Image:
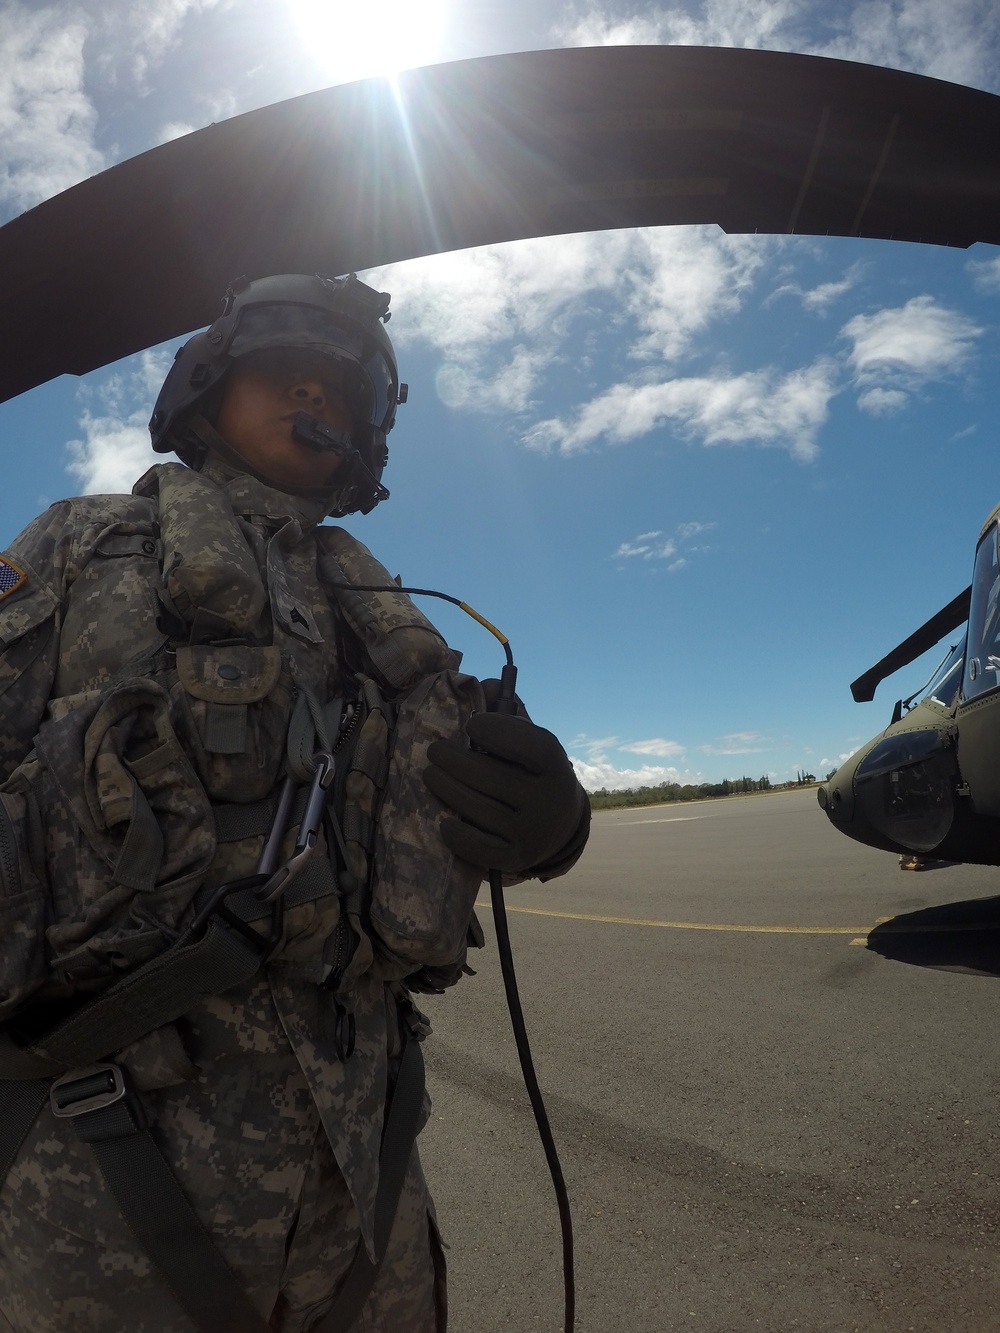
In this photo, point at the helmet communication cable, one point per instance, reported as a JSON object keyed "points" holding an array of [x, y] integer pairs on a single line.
{"points": [[507, 703]]}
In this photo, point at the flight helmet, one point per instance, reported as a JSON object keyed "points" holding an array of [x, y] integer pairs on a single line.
{"points": [[339, 318]]}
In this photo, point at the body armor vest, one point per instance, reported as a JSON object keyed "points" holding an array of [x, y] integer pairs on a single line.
{"points": [[209, 651]]}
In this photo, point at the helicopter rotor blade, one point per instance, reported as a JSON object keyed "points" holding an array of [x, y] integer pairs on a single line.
{"points": [[479, 151], [930, 633]]}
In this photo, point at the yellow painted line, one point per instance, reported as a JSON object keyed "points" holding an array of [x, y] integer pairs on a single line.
{"points": [[690, 925], [863, 940]]}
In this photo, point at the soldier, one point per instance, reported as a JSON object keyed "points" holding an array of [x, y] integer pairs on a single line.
{"points": [[241, 823]]}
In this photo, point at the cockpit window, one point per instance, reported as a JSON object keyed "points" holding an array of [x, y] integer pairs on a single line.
{"points": [[944, 684], [982, 665]]}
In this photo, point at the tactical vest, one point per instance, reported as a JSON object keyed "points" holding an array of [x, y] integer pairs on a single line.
{"points": [[133, 836], [141, 797]]}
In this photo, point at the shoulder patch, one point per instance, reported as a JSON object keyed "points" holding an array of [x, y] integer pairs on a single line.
{"points": [[11, 578]]}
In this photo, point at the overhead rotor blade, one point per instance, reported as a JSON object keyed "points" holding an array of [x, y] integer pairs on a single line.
{"points": [[930, 633], [479, 151]]}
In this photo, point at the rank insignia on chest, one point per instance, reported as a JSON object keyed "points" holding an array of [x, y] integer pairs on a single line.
{"points": [[11, 578]]}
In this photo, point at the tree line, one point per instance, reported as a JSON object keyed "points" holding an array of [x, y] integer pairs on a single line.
{"points": [[676, 791]]}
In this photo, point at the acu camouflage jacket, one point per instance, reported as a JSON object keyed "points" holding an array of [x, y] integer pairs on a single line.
{"points": [[113, 603]]}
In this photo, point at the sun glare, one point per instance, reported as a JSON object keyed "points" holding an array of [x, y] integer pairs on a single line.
{"points": [[351, 40]]}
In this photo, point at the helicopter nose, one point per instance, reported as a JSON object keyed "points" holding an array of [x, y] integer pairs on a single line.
{"points": [[896, 792], [837, 801], [836, 795]]}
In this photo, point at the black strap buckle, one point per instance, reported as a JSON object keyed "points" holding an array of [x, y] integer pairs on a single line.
{"points": [[345, 1032], [89, 1089], [271, 880], [216, 906]]}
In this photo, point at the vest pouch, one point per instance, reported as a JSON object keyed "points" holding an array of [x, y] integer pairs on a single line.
{"points": [[422, 895], [23, 902], [239, 702], [126, 828], [399, 639]]}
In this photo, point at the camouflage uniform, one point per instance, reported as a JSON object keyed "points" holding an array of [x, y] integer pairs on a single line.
{"points": [[274, 1138]]}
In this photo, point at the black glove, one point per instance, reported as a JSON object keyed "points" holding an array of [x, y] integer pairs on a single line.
{"points": [[516, 795]]}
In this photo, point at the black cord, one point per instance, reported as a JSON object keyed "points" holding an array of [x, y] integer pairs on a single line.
{"points": [[507, 703], [444, 597], [535, 1094]]}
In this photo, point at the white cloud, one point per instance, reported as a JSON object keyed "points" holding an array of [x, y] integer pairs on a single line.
{"points": [[649, 546], [657, 748], [506, 388], [921, 338], [175, 129], [219, 104], [738, 742], [603, 774], [500, 315], [596, 770], [595, 747], [897, 350], [468, 305], [131, 37], [115, 449], [964, 433], [957, 41], [767, 407], [658, 546], [826, 764], [882, 402], [682, 279], [113, 454], [468, 300], [47, 121], [818, 299], [49, 56], [985, 273], [725, 23], [688, 530]]}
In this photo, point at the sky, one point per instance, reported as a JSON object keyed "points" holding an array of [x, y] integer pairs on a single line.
{"points": [[700, 481]]}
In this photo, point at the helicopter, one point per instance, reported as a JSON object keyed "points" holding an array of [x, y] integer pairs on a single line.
{"points": [[929, 784]]}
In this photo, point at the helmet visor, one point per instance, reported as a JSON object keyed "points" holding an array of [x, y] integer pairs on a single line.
{"points": [[369, 379], [288, 366]]}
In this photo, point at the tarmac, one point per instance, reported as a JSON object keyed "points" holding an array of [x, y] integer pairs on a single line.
{"points": [[762, 1124]]}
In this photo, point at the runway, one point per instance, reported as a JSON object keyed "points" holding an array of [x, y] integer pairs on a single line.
{"points": [[762, 1124]]}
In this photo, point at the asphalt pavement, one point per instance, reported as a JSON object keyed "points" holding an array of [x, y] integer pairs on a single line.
{"points": [[763, 1125]]}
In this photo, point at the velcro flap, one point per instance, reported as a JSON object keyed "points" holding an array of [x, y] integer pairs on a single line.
{"points": [[117, 543], [229, 673], [225, 728]]}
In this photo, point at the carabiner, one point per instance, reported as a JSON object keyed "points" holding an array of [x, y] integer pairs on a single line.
{"points": [[268, 862], [309, 827]]}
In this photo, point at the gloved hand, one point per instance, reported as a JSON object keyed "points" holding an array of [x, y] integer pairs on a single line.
{"points": [[516, 796]]}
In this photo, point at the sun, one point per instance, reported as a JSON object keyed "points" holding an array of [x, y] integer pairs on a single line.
{"points": [[351, 40]]}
